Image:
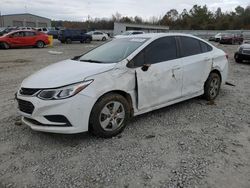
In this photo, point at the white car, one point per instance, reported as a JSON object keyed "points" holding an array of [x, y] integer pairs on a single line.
{"points": [[100, 90], [128, 33], [218, 37], [97, 35], [42, 29]]}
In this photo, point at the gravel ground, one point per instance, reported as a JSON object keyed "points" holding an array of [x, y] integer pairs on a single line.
{"points": [[190, 144]]}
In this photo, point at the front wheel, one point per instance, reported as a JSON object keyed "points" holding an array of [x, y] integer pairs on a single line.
{"points": [[212, 86], [237, 59], [109, 116], [104, 39], [40, 44]]}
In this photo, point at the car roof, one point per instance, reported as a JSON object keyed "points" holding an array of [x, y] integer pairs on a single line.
{"points": [[157, 35], [21, 30]]}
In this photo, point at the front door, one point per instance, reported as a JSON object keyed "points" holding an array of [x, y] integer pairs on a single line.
{"points": [[160, 79], [17, 39]]}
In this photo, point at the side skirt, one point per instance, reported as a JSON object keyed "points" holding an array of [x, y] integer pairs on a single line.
{"points": [[142, 111]]}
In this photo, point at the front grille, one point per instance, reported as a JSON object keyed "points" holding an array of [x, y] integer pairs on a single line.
{"points": [[25, 106], [28, 91], [246, 52]]}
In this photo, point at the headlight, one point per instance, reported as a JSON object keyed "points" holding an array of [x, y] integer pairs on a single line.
{"points": [[63, 92], [240, 49]]}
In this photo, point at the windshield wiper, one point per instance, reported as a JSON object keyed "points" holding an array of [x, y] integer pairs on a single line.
{"points": [[91, 61]]}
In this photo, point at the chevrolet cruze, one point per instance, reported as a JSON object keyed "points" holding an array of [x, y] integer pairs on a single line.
{"points": [[100, 90]]}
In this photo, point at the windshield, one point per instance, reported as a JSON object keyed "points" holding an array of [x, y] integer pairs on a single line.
{"points": [[114, 51]]}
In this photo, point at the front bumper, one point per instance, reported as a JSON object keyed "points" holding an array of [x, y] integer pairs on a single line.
{"points": [[241, 56], [75, 110]]}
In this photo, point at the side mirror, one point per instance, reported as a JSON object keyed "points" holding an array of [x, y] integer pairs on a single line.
{"points": [[76, 57], [145, 67], [10, 36]]}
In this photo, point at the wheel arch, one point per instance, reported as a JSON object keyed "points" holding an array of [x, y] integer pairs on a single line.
{"points": [[126, 95], [217, 72]]}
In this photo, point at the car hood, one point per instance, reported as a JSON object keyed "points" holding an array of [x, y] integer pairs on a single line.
{"points": [[245, 46], [64, 73]]}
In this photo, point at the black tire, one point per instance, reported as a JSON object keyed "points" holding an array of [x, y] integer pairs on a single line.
{"points": [[96, 116], [237, 59], [6, 46], [40, 44], [87, 40], [104, 39], [68, 41], [210, 91]]}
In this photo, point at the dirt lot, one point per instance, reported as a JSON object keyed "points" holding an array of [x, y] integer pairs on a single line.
{"points": [[190, 144]]}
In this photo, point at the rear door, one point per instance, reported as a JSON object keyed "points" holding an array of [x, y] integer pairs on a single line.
{"points": [[162, 81], [196, 63]]}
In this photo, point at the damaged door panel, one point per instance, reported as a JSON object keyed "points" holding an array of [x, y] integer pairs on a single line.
{"points": [[159, 75], [196, 63]]}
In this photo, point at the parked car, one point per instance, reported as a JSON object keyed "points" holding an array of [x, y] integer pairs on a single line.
{"points": [[128, 33], [53, 32], [69, 35], [24, 38], [25, 28], [231, 39], [7, 30], [100, 90], [243, 53], [216, 38], [42, 29], [98, 35]]}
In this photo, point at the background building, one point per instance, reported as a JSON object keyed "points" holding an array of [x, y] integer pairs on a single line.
{"points": [[122, 27], [24, 20]]}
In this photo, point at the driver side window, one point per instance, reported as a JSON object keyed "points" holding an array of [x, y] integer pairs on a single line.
{"points": [[18, 34]]}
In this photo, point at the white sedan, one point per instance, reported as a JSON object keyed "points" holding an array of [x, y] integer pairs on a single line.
{"points": [[100, 90], [97, 35]]}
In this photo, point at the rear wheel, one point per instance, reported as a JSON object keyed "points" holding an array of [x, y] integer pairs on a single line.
{"points": [[109, 115], [87, 40], [212, 86], [68, 41], [40, 44]]}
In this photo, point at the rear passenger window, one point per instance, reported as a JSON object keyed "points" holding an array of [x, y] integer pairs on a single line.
{"points": [[205, 47], [190, 46], [29, 34]]}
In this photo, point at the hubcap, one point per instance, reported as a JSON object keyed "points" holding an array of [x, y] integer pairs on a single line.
{"points": [[214, 87], [40, 44], [112, 116]]}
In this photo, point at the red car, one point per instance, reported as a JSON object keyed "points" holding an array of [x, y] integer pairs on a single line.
{"points": [[24, 38], [231, 39]]}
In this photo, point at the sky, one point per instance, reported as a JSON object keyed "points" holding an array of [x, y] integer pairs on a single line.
{"points": [[79, 10]]}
